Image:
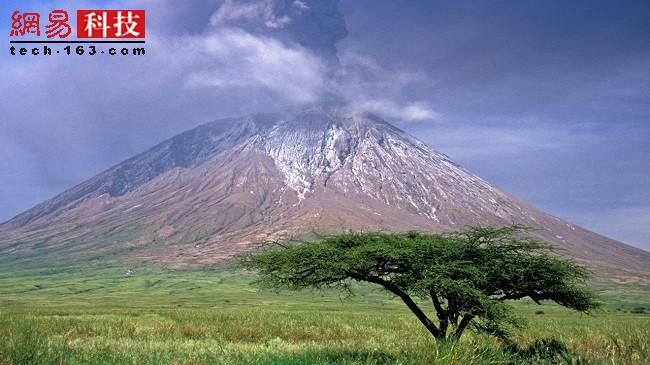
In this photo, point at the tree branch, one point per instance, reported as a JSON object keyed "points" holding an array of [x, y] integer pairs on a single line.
{"points": [[430, 326], [462, 325], [440, 312], [517, 296]]}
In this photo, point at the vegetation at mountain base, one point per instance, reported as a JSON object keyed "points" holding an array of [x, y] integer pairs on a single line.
{"points": [[97, 314], [467, 276]]}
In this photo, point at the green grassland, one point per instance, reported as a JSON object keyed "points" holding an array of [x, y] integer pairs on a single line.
{"points": [[97, 315]]}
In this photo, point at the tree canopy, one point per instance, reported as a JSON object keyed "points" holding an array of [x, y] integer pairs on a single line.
{"points": [[466, 276]]}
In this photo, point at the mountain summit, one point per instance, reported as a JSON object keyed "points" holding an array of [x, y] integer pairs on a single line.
{"points": [[213, 191]]}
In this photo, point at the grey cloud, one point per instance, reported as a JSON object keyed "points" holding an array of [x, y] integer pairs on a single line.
{"points": [[548, 102], [255, 11], [315, 25], [233, 58]]}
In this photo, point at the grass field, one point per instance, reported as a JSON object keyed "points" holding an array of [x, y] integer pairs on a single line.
{"points": [[98, 315]]}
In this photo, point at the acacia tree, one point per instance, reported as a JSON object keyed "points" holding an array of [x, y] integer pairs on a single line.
{"points": [[467, 276]]}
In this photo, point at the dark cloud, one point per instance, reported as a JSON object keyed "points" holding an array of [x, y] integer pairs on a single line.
{"points": [[548, 100]]}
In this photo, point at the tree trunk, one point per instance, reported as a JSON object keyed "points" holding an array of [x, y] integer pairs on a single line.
{"points": [[428, 324]]}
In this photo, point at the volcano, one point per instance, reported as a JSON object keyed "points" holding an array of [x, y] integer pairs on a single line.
{"points": [[202, 196]]}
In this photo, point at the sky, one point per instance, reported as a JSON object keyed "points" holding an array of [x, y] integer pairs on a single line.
{"points": [[548, 100]]}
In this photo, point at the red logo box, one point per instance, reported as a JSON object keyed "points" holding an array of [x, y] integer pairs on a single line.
{"points": [[110, 24]]}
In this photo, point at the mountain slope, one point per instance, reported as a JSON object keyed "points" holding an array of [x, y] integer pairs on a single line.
{"points": [[208, 193]]}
